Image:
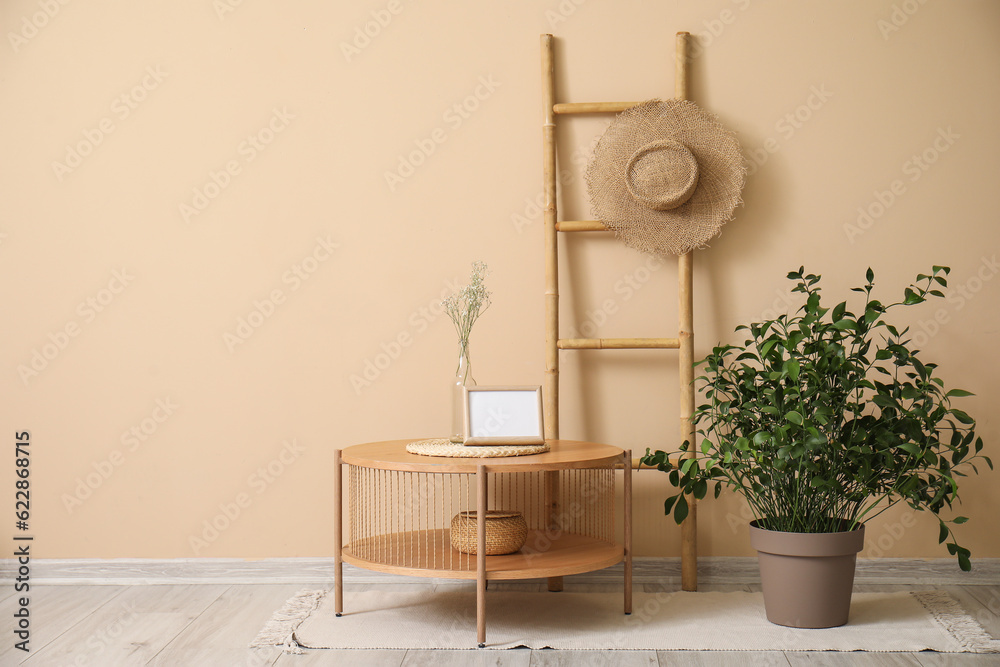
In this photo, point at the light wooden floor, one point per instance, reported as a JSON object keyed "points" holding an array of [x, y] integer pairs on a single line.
{"points": [[205, 624]]}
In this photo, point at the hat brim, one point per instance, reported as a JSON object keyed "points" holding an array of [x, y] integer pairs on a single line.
{"points": [[691, 225]]}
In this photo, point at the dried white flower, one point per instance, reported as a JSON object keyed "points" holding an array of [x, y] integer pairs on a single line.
{"points": [[467, 304]]}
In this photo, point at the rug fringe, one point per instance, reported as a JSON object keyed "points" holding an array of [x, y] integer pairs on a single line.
{"points": [[960, 624], [280, 629]]}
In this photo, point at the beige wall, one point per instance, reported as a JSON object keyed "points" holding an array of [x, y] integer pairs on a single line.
{"points": [[135, 299]]}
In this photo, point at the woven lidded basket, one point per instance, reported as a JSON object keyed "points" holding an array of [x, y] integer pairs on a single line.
{"points": [[506, 532]]}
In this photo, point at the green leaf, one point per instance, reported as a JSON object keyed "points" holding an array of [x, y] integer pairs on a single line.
{"points": [[653, 458], [883, 401], [792, 368], [942, 533], [794, 417], [766, 348], [910, 448], [964, 562], [910, 297], [961, 519], [669, 503], [681, 509], [812, 303], [962, 417], [845, 323], [869, 274], [959, 392], [838, 311]]}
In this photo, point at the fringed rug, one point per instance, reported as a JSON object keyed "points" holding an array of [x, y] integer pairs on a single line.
{"points": [[879, 622]]}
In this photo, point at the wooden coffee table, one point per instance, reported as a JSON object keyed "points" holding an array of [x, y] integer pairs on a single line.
{"points": [[400, 507]]}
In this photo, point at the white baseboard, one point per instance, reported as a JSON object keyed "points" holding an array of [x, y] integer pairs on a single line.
{"points": [[711, 570]]}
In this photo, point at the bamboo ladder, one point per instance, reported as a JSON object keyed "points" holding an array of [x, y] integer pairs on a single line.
{"points": [[684, 342]]}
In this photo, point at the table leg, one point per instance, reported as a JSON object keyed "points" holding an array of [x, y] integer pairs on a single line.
{"points": [[338, 510], [481, 556], [627, 497], [552, 522]]}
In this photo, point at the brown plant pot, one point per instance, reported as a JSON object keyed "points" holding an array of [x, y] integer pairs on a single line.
{"points": [[807, 578]]}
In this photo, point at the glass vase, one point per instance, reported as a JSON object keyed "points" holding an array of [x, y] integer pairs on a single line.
{"points": [[463, 379]]}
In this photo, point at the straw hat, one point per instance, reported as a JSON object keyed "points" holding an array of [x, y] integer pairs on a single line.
{"points": [[665, 176]]}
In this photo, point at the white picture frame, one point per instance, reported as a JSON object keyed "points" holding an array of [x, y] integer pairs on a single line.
{"points": [[503, 415]]}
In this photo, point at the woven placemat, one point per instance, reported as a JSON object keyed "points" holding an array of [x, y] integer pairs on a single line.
{"points": [[445, 447]]}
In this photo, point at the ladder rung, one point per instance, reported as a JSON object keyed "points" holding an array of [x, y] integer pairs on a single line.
{"points": [[592, 107], [618, 343], [581, 226], [637, 463]]}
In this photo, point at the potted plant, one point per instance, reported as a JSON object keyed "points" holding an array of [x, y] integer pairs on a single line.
{"points": [[822, 420]]}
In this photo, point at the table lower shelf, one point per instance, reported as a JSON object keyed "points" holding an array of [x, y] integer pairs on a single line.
{"points": [[428, 553]]}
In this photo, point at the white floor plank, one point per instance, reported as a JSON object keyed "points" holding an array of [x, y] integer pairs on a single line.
{"points": [[978, 606], [342, 658], [508, 658], [550, 658], [54, 610], [930, 659], [120, 640], [989, 615], [222, 633], [211, 656], [722, 659], [850, 659], [129, 629]]}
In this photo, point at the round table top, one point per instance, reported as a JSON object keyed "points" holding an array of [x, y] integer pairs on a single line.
{"points": [[563, 455]]}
